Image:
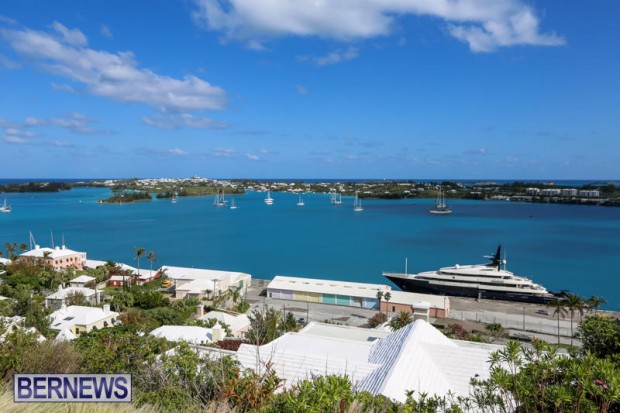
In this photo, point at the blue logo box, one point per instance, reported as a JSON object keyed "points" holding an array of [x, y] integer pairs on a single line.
{"points": [[68, 388]]}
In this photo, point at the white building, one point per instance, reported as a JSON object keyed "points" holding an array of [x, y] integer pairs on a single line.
{"points": [[569, 192], [5, 261], [59, 298], [74, 320], [589, 193], [81, 281], [58, 258], [532, 191], [551, 192], [191, 334], [238, 323], [417, 357], [11, 324], [196, 282]]}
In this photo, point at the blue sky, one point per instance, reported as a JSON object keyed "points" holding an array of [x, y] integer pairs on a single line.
{"points": [[296, 89]]}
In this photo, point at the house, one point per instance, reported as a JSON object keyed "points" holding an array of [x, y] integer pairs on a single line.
{"points": [[11, 324], [417, 357], [196, 282], [238, 323], [81, 281], [60, 297], [438, 305], [118, 280], [190, 334], [5, 261], [351, 294], [58, 258], [74, 320]]}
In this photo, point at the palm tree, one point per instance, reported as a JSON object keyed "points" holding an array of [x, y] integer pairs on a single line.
{"points": [[596, 302], [151, 257], [139, 252], [379, 297], [9, 250], [559, 309], [387, 296], [400, 320], [46, 255], [574, 304]]}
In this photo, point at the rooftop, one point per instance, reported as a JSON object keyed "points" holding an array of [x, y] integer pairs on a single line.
{"points": [[234, 320], [183, 273], [401, 297], [191, 334], [83, 279], [67, 317], [313, 285], [63, 293], [58, 252]]}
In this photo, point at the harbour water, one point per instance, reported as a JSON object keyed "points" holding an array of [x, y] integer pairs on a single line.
{"points": [[560, 246]]}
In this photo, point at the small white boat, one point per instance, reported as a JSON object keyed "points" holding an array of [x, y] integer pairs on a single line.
{"points": [[441, 207], [336, 198], [301, 201], [174, 198], [232, 204], [269, 199], [5, 207], [357, 204], [219, 200]]}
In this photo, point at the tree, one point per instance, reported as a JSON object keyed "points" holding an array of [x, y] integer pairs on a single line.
{"points": [[75, 298], [595, 302], [379, 297], [495, 330], [559, 309], [151, 257], [400, 320], [46, 255], [387, 296], [600, 336], [574, 304], [138, 252]]}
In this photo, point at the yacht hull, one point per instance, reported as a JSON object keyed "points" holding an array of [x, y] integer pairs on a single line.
{"points": [[423, 286]]}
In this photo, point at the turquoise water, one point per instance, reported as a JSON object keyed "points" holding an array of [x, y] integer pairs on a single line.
{"points": [[561, 246]]}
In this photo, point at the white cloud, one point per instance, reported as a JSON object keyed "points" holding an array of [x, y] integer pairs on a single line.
{"points": [[337, 57], [252, 157], [177, 151], [302, 90], [15, 140], [112, 75], [224, 152], [61, 144], [169, 121], [8, 63], [73, 37], [63, 87], [484, 25], [105, 30], [74, 122]]}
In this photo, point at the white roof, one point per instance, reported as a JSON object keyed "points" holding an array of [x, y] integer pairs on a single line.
{"points": [[54, 252], [235, 321], [5, 261], [120, 278], [313, 285], [83, 279], [343, 332], [191, 334], [417, 357], [76, 314], [401, 297], [65, 335], [182, 273], [95, 263], [65, 292]]}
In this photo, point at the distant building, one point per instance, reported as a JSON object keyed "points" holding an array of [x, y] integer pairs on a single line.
{"points": [[59, 298], [417, 357], [569, 192], [238, 323], [438, 305], [74, 320], [118, 280], [191, 334], [312, 290], [551, 192], [589, 193], [532, 191], [196, 282], [5, 261], [82, 281], [59, 258], [11, 324]]}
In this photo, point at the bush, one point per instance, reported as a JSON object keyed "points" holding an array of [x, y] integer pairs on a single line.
{"points": [[376, 320]]}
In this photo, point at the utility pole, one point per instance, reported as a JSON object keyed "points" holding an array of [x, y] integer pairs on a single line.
{"points": [[523, 318], [307, 312]]}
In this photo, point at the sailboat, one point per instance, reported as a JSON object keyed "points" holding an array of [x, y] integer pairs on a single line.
{"points": [[269, 199], [357, 204], [174, 198], [219, 200], [301, 201], [232, 204], [336, 198], [5, 207], [441, 208]]}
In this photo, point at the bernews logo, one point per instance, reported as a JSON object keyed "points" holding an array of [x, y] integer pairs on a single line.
{"points": [[64, 388]]}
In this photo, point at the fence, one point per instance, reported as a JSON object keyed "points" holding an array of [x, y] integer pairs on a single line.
{"points": [[516, 322]]}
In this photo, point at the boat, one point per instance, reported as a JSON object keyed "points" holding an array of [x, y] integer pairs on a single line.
{"points": [[336, 199], [489, 281], [441, 208], [219, 200], [5, 207], [269, 199], [357, 204], [301, 201], [232, 204], [174, 198]]}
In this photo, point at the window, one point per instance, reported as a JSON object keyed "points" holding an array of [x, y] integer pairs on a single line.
{"points": [[77, 331], [393, 309], [68, 318]]}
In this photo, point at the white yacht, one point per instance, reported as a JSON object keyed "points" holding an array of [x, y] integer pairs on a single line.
{"points": [[174, 198], [232, 204], [357, 204], [269, 199], [301, 201], [219, 200], [489, 281], [5, 207], [441, 207], [336, 198]]}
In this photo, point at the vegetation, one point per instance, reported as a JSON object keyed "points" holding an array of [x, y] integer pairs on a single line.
{"points": [[126, 197], [36, 187], [400, 320]]}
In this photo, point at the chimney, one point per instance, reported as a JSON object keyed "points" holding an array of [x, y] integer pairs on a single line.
{"points": [[59, 287], [200, 310], [217, 332], [106, 308], [63, 307]]}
